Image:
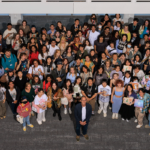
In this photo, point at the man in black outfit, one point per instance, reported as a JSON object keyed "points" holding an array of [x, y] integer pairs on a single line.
{"points": [[134, 27], [83, 113], [75, 27]]}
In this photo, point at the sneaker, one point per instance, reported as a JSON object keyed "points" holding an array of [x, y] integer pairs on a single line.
{"points": [[93, 113], [116, 116], [31, 126], [127, 120], [77, 138], [122, 119], [86, 136], [65, 111], [105, 114], [147, 126], [138, 126], [39, 122], [24, 128], [44, 120], [99, 111], [70, 112], [113, 116], [135, 120]]}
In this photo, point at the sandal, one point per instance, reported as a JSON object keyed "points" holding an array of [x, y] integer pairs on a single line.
{"points": [[4, 116]]}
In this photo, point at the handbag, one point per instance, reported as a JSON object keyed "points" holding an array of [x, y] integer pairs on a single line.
{"points": [[64, 101], [19, 118]]}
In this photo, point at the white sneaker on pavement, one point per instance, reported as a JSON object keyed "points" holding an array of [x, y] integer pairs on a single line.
{"points": [[44, 120], [99, 111], [138, 126], [135, 120], [105, 114], [113, 116], [65, 111], [39, 122], [70, 112]]}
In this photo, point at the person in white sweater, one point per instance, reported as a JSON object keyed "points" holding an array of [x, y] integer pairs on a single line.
{"points": [[138, 72]]}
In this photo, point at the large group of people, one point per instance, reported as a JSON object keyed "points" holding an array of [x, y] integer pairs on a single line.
{"points": [[104, 63]]}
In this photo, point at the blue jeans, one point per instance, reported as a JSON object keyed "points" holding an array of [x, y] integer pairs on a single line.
{"points": [[84, 129], [26, 120]]}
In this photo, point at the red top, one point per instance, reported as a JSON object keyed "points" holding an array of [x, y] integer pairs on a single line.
{"points": [[47, 85], [33, 56], [24, 110]]}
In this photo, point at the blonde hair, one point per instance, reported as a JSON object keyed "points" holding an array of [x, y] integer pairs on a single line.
{"points": [[75, 71], [62, 38], [27, 84]]}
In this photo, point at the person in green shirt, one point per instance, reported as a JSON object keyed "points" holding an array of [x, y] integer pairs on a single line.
{"points": [[29, 93], [81, 53]]}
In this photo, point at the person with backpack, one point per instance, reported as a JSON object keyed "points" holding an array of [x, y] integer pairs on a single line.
{"points": [[9, 60]]}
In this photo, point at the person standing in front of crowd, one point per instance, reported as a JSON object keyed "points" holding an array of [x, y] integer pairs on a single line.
{"points": [[140, 112], [116, 98], [8, 34], [54, 95], [83, 113], [40, 101], [90, 93], [104, 92], [24, 110], [29, 93], [67, 93], [12, 96], [75, 27], [127, 110]]}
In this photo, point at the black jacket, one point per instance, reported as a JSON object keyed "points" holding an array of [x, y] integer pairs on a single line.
{"points": [[4, 46], [78, 112], [9, 98], [55, 74], [131, 28]]}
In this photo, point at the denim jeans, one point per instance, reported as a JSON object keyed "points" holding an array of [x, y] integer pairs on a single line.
{"points": [[84, 129], [26, 120]]}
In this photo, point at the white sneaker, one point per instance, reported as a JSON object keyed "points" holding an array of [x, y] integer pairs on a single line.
{"points": [[135, 120], [116, 116], [113, 116], [105, 114], [39, 122], [99, 111], [65, 111], [127, 120], [122, 119], [44, 120], [138, 126], [70, 112]]}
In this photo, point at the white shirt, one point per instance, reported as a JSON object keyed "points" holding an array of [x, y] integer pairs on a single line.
{"points": [[52, 49], [111, 50], [44, 57], [88, 48], [83, 113], [33, 70], [13, 94], [8, 39], [93, 36], [40, 101], [2, 91]]}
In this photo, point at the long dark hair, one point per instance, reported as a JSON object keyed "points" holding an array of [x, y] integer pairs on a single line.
{"points": [[126, 93], [31, 49], [100, 67], [47, 76], [54, 91], [41, 51], [33, 80], [51, 61], [70, 87]]}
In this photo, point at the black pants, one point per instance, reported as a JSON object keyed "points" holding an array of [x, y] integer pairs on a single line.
{"points": [[56, 110]]}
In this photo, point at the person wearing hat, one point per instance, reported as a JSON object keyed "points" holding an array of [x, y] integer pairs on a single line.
{"points": [[24, 110], [59, 74], [8, 34]]}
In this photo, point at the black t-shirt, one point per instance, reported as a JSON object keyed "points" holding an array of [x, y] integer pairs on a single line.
{"points": [[100, 47], [89, 90]]}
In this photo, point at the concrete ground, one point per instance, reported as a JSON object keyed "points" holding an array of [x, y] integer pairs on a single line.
{"points": [[104, 134]]}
